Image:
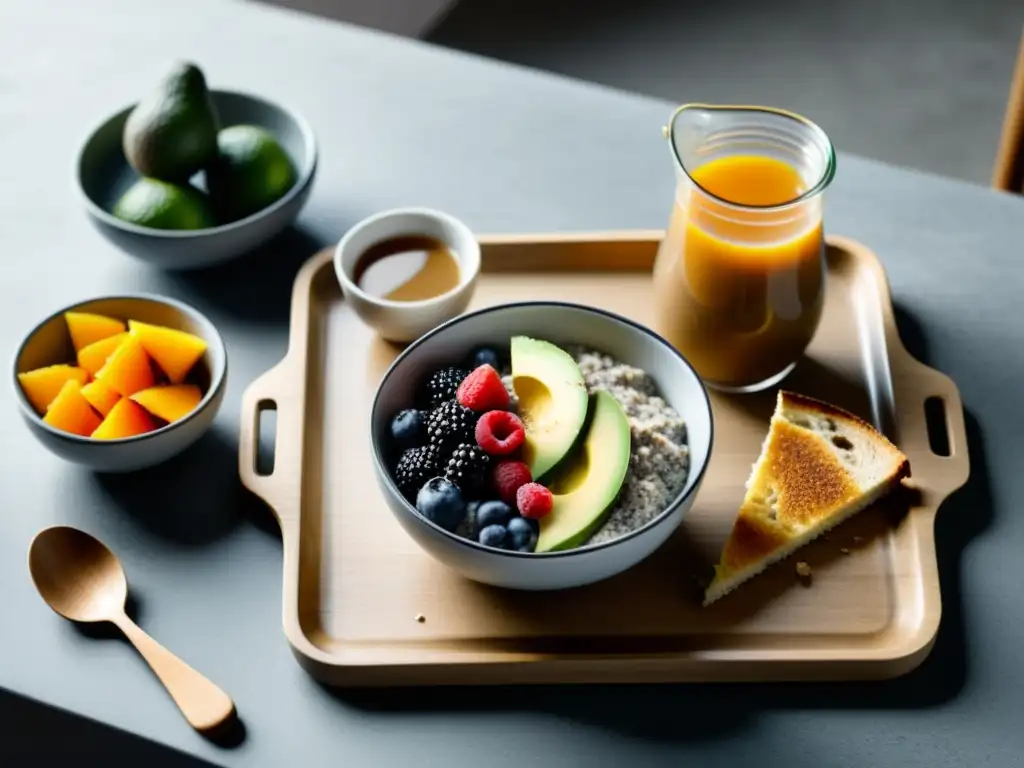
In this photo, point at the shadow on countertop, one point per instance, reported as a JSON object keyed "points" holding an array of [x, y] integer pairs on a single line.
{"points": [[256, 287], [208, 501], [35, 734], [714, 711]]}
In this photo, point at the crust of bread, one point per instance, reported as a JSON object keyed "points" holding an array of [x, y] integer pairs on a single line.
{"points": [[811, 405], [800, 488]]}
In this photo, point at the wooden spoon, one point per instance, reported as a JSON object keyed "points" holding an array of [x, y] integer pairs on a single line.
{"points": [[83, 581]]}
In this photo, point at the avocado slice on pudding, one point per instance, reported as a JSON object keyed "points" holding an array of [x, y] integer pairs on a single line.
{"points": [[552, 402], [585, 492]]}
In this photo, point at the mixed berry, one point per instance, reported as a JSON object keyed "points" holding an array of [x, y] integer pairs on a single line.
{"points": [[457, 459]]}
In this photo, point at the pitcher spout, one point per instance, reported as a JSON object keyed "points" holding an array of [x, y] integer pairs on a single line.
{"points": [[700, 133]]}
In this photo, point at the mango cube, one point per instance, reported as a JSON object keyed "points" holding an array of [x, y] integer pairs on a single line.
{"points": [[42, 385], [71, 412], [175, 352], [126, 419], [119, 388], [171, 402], [86, 328], [95, 356], [100, 396], [128, 370]]}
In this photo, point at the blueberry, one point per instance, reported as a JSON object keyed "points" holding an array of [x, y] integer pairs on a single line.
{"points": [[440, 501], [486, 356], [493, 536], [408, 428], [492, 513], [523, 534]]}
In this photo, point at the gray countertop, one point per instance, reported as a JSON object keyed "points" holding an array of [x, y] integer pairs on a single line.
{"points": [[507, 150]]}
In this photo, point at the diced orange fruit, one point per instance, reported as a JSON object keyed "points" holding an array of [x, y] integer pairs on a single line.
{"points": [[128, 370], [126, 419], [71, 412], [100, 396], [170, 403], [174, 351], [95, 356], [42, 385], [86, 328]]}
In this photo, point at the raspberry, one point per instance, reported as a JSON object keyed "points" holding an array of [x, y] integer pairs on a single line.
{"points": [[508, 477], [500, 432], [483, 390], [534, 501]]}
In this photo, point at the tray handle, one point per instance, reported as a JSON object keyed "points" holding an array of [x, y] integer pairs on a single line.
{"points": [[919, 386], [279, 488]]}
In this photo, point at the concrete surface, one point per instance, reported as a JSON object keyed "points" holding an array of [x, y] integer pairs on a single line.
{"points": [[920, 83]]}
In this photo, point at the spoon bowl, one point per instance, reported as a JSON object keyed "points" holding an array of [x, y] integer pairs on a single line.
{"points": [[77, 575], [82, 580]]}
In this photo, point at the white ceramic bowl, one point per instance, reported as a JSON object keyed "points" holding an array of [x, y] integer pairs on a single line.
{"points": [[403, 321], [559, 323], [49, 343]]}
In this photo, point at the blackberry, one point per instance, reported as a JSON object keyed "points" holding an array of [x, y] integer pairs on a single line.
{"points": [[448, 425], [442, 384], [467, 468], [414, 468]]}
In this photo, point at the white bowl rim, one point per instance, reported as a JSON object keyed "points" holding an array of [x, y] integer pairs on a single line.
{"points": [[466, 281], [217, 378], [661, 517], [301, 183]]}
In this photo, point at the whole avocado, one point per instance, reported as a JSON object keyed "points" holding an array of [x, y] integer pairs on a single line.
{"points": [[172, 133], [251, 171]]}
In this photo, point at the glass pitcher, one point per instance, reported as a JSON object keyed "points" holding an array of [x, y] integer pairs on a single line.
{"points": [[739, 279]]}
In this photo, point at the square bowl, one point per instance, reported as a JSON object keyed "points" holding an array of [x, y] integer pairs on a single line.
{"points": [[49, 343], [562, 324]]}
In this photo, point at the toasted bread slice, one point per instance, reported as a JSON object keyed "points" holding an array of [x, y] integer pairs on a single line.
{"points": [[819, 465]]}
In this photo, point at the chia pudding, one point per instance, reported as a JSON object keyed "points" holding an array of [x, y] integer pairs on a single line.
{"points": [[595, 431], [659, 461]]}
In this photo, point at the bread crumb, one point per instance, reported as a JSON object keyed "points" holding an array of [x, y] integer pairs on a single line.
{"points": [[420, 618], [858, 539], [803, 570], [844, 550]]}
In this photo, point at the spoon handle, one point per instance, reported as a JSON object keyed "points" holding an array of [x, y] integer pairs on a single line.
{"points": [[203, 703]]}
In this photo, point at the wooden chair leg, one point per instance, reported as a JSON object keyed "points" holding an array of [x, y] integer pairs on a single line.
{"points": [[1008, 174]]}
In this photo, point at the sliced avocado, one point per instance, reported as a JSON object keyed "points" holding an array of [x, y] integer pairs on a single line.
{"points": [[172, 133], [552, 402], [585, 491]]}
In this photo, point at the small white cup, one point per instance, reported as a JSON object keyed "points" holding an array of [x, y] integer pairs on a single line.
{"points": [[403, 321]]}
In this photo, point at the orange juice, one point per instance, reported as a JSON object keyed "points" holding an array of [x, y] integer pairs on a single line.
{"points": [[739, 276]]}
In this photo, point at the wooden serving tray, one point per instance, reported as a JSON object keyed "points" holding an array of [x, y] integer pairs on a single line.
{"points": [[355, 583]]}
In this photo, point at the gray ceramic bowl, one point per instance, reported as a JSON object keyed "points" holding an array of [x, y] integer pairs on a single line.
{"points": [[49, 343], [103, 175], [560, 323]]}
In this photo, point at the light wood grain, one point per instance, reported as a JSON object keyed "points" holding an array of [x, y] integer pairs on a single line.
{"points": [[203, 704], [82, 580], [1008, 174], [354, 582]]}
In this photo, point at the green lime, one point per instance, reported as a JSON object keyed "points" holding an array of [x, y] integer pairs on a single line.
{"points": [[250, 172], [158, 204]]}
